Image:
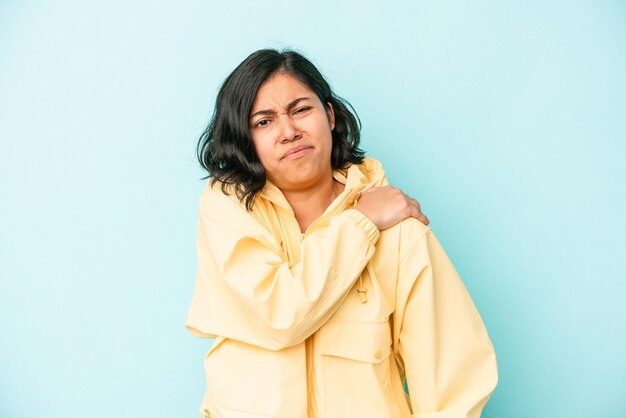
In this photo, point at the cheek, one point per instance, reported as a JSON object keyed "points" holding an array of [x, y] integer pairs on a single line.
{"points": [[322, 130], [328, 139], [264, 152]]}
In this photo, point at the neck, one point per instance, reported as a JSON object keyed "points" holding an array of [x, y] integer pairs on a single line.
{"points": [[310, 203]]}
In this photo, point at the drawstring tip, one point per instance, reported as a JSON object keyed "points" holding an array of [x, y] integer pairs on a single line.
{"points": [[362, 294]]}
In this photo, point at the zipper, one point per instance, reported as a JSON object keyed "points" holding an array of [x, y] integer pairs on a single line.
{"points": [[331, 211]]}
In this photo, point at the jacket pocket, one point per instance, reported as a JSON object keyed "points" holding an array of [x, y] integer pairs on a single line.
{"points": [[367, 342], [357, 375], [248, 381]]}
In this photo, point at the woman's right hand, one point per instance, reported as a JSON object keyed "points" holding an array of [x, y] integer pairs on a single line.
{"points": [[386, 206]]}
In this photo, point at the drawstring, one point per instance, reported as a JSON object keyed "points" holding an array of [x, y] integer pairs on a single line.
{"points": [[361, 290]]}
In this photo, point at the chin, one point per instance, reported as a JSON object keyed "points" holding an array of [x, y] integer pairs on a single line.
{"points": [[303, 175], [302, 181], [299, 181]]}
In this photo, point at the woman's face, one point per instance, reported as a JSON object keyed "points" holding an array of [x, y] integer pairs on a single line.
{"points": [[291, 132]]}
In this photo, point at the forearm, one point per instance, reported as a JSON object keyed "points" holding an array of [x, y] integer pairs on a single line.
{"points": [[281, 302]]}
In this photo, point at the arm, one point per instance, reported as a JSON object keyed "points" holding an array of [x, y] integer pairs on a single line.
{"points": [[448, 358], [247, 290]]}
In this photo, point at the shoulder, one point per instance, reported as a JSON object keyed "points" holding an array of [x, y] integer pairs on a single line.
{"points": [[220, 204], [412, 234], [221, 212], [372, 169], [371, 163], [412, 230], [217, 195], [367, 174]]}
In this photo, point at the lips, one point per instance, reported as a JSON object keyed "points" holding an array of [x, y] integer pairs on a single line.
{"points": [[295, 150]]}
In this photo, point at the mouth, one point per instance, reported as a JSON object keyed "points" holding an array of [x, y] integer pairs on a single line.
{"points": [[297, 152]]}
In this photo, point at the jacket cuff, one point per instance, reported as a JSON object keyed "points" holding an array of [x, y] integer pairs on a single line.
{"points": [[364, 222]]}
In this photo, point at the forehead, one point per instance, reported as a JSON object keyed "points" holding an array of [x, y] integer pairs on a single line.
{"points": [[280, 89]]}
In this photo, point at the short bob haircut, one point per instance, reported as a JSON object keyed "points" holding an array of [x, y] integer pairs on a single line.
{"points": [[225, 148]]}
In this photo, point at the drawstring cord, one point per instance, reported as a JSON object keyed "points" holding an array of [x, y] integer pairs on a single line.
{"points": [[362, 291]]}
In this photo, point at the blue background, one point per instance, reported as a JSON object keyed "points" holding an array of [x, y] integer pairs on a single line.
{"points": [[506, 120]]}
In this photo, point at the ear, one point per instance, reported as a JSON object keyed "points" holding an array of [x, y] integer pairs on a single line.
{"points": [[331, 115]]}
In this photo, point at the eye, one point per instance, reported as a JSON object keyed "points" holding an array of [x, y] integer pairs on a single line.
{"points": [[262, 123], [302, 109]]}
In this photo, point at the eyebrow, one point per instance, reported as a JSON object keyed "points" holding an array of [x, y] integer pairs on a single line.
{"points": [[290, 106]]}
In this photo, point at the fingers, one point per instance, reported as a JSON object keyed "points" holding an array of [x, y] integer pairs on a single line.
{"points": [[388, 205], [416, 211], [413, 206], [423, 219]]}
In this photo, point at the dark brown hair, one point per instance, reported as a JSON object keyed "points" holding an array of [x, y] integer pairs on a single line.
{"points": [[225, 148]]}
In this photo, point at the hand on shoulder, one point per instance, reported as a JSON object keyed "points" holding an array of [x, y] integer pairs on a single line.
{"points": [[386, 206]]}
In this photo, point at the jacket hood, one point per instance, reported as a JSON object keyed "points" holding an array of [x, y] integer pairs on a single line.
{"points": [[356, 178]]}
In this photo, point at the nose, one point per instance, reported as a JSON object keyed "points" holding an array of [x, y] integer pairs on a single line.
{"points": [[289, 129]]}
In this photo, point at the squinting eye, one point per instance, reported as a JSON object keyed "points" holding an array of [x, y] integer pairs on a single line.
{"points": [[302, 110], [262, 123]]}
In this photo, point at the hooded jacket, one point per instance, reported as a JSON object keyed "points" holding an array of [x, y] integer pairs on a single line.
{"points": [[333, 322]]}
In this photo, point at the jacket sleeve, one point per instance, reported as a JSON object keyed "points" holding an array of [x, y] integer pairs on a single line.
{"points": [[448, 358], [247, 290]]}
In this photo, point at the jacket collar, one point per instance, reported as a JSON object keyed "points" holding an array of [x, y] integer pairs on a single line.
{"points": [[356, 178]]}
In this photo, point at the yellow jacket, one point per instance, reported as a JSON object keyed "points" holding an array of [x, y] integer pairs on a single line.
{"points": [[332, 322]]}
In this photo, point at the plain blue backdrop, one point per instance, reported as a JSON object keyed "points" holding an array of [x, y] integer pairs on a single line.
{"points": [[506, 120]]}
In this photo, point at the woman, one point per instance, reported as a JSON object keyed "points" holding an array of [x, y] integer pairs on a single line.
{"points": [[323, 290]]}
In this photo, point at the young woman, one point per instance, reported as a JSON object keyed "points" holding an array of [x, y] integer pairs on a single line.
{"points": [[323, 290]]}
